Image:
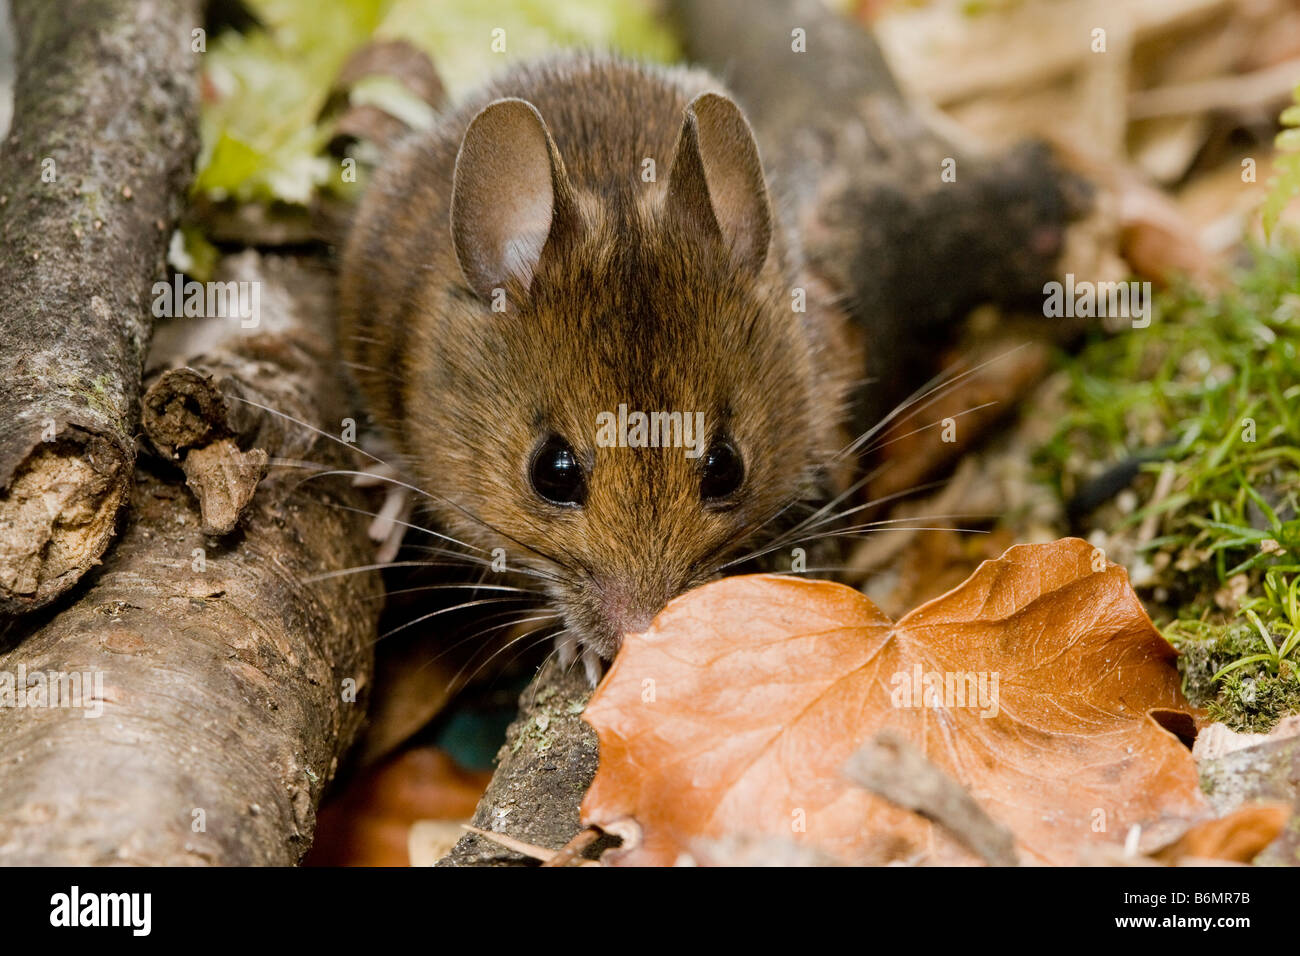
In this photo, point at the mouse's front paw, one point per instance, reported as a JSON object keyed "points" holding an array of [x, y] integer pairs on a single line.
{"points": [[593, 666], [568, 650]]}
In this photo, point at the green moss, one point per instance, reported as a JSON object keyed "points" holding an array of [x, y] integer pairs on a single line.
{"points": [[99, 394], [1255, 703], [1249, 697], [1212, 389], [550, 709]]}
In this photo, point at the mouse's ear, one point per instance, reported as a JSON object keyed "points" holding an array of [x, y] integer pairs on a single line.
{"points": [[716, 185], [509, 195]]}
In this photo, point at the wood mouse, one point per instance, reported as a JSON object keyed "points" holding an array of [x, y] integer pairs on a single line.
{"points": [[585, 239]]}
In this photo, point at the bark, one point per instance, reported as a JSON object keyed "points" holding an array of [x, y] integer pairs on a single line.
{"points": [[860, 169], [98, 157], [543, 770], [224, 479], [224, 670]]}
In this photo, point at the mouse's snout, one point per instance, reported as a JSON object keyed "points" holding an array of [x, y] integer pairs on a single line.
{"points": [[626, 610], [604, 610]]}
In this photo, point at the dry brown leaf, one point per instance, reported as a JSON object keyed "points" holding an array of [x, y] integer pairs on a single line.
{"points": [[736, 712], [369, 822], [1236, 838], [939, 428]]}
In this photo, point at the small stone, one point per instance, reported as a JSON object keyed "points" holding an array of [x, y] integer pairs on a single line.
{"points": [[1229, 596]]}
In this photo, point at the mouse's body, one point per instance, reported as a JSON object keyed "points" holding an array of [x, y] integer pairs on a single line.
{"points": [[582, 240]]}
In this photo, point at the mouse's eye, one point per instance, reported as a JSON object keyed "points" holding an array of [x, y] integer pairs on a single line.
{"points": [[721, 471], [557, 474]]}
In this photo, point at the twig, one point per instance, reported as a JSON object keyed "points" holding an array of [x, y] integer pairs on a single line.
{"points": [[1248, 91], [892, 768]]}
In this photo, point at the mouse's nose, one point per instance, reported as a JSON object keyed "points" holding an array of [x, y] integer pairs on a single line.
{"points": [[628, 610]]}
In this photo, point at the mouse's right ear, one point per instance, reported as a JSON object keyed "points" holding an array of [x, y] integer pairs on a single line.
{"points": [[510, 195], [716, 184]]}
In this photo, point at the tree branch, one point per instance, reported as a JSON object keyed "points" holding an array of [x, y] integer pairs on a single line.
{"points": [[101, 149]]}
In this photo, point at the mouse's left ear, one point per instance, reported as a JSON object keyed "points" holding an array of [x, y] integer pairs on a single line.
{"points": [[716, 185], [510, 196]]}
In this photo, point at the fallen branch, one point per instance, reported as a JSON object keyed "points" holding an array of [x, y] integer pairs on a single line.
{"points": [[543, 769], [230, 684], [208, 414], [85, 217], [1266, 88]]}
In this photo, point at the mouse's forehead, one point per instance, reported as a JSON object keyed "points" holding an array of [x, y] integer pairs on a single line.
{"points": [[650, 340], [636, 287], [630, 315]]}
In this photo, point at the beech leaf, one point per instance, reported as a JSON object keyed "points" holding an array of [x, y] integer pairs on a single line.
{"points": [[1036, 684]]}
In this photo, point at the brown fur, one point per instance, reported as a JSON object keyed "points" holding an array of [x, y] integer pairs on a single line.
{"points": [[629, 303]]}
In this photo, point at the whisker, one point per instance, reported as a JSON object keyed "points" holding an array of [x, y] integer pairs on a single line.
{"points": [[409, 487], [474, 635], [506, 646], [923, 428], [468, 558], [877, 502], [750, 529], [402, 484], [544, 636], [554, 651], [813, 521], [326, 575], [831, 504], [848, 532], [440, 611], [483, 563], [928, 390], [465, 511], [972, 516], [471, 585], [857, 532], [829, 569], [310, 428]]}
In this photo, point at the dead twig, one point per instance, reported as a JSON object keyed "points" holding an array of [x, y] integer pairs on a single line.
{"points": [[892, 768]]}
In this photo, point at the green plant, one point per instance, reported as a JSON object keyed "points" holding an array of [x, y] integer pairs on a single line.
{"points": [[1285, 184], [1209, 397], [1273, 659]]}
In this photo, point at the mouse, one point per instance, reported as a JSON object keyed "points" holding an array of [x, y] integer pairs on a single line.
{"points": [[576, 310]]}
